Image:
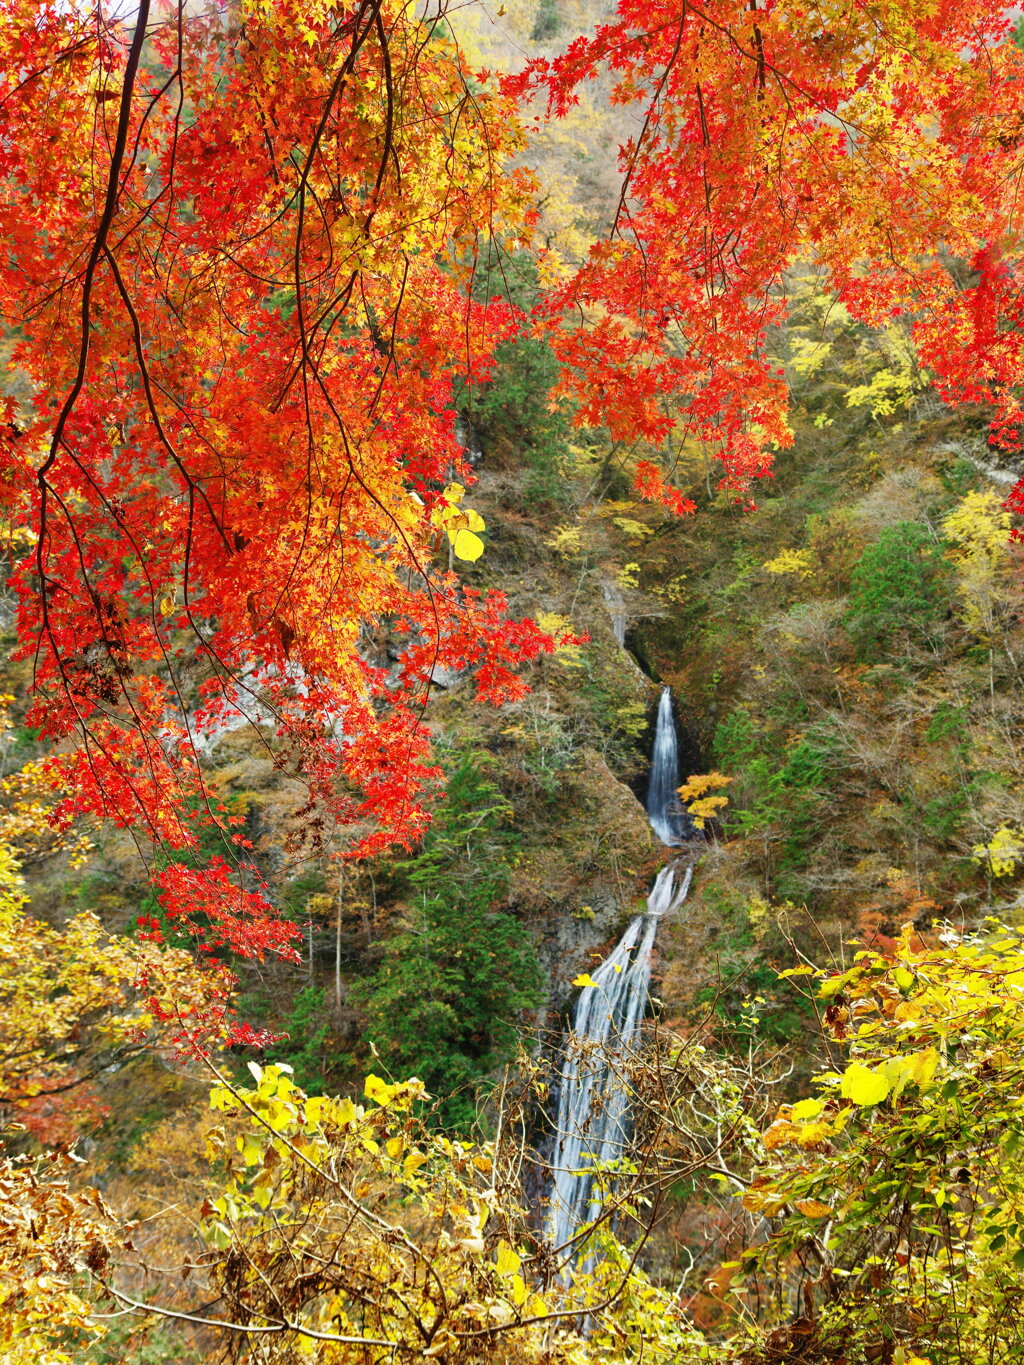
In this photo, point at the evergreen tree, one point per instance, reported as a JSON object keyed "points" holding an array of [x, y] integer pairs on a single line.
{"points": [[445, 1002], [900, 586]]}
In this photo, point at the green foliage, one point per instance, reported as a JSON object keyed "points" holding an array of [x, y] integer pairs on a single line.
{"points": [[960, 477], [548, 22], [300, 890], [513, 409], [898, 587], [947, 722], [303, 1048], [747, 998], [942, 816], [787, 799], [445, 1001], [747, 567], [944, 812], [736, 743]]}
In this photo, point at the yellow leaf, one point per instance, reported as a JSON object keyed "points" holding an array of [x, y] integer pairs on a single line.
{"points": [[812, 1208], [584, 979], [778, 1134], [376, 1089], [166, 605], [864, 1086], [921, 1066], [813, 1133], [507, 1261], [468, 546], [797, 562], [807, 1109], [252, 1154], [909, 1009], [697, 785], [345, 1113], [519, 1291]]}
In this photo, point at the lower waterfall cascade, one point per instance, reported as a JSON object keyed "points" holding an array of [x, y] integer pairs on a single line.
{"points": [[593, 1123]]}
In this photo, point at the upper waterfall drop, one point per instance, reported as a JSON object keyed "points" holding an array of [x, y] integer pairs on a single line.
{"points": [[668, 820], [613, 600]]}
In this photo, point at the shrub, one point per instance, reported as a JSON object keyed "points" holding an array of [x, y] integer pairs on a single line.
{"points": [[898, 587]]}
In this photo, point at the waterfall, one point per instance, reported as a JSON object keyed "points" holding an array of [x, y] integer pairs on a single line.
{"points": [[616, 610], [593, 1124], [465, 434], [663, 810], [593, 1103]]}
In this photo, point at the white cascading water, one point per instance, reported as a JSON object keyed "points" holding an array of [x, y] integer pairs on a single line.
{"points": [[616, 610], [663, 809], [593, 1103]]}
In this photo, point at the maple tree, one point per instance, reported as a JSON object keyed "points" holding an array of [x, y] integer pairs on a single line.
{"points": [[879, 142], [240, 285]]}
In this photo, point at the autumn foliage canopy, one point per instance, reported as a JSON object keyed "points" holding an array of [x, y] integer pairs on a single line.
{"points": [[241, 272]]}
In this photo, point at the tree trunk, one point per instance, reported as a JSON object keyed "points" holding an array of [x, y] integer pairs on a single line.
{"points": [[337, 942]]}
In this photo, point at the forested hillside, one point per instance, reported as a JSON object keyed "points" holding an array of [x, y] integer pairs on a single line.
{"points": [[420, 422]]}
